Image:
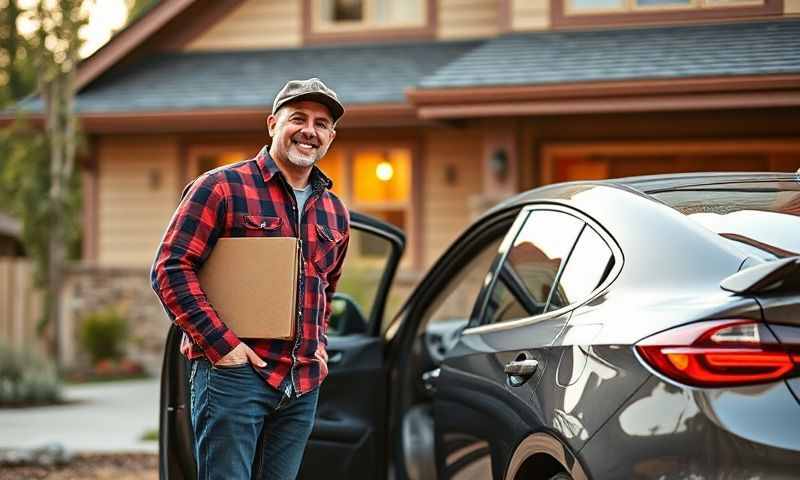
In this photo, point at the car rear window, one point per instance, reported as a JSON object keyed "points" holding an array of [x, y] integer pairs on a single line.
{"points": [[762, 220]]}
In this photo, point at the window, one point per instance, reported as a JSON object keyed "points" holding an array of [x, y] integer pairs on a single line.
{"points": [[530, 269], [333, 15], [589, 264], [612, 6], [457, 299], [376, 182], [205, 158]]}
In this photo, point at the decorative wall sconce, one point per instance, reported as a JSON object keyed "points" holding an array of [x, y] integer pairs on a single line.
{"points": [[384, 171], [499, 164]]}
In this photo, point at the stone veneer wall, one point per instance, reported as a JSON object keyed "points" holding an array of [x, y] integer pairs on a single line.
{"points": [[89, 289]]}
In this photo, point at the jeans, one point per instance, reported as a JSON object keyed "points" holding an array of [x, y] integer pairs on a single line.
{"points": [[242, 425]]}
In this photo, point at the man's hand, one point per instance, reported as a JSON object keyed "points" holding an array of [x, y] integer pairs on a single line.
{"points": [[240, 355], [322, 355]]}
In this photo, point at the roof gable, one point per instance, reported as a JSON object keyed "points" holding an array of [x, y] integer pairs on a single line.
{"points": [[168, 24]]}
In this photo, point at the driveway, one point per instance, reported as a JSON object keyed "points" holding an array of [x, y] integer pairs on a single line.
{"points": [[103, 417]]}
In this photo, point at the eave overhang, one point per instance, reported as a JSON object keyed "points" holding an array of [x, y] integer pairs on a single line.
{"points": [[225, 120], [630, 96]]}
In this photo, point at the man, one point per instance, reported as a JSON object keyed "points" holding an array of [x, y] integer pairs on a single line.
{"points": [[253, 402]]}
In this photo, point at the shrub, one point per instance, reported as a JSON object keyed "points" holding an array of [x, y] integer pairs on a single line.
{"points": [[27, 378], [103, 335]]}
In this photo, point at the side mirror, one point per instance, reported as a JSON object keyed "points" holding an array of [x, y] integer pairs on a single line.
{"points": [[346, 316]]}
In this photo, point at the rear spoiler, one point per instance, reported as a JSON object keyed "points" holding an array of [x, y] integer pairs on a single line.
{"points": [[781, 274]]}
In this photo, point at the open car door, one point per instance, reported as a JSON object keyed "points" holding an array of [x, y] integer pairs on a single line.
{"points": [[349, 436]]}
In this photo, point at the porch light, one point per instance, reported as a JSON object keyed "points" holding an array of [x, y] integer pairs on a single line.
{"points": [[384, 171]]}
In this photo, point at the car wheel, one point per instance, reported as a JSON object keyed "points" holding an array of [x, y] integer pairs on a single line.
{"points": [[561, 476]]}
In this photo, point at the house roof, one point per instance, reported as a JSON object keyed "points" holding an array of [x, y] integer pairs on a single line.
{"points": [[747, 64], [750, 48], [363, 74]]}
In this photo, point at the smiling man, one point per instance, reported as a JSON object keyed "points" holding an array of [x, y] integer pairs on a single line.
{"points": [[253, 401]]}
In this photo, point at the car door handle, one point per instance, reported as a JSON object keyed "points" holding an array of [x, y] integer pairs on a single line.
{"points": [[521, 368]]}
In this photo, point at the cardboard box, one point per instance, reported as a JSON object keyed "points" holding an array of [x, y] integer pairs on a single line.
{"points": [[252, 284]]}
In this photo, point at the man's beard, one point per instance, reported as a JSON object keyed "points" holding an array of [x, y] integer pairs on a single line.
{"points": [[306, 161]]}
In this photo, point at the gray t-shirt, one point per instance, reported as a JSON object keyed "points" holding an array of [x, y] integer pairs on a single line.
{"points": [[301, 195]]}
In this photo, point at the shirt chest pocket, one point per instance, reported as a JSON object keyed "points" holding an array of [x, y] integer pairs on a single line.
{"points": [[257, 226], [326, 247]]}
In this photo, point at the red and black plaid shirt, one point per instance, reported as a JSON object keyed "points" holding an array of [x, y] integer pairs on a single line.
{"points": [[253, 199]]}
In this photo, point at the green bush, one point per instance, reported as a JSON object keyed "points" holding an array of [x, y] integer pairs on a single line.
{"points": [[103, 335], [27, 378]]}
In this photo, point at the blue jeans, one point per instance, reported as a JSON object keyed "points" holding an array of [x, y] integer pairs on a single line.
{"points": [[241, 422]]}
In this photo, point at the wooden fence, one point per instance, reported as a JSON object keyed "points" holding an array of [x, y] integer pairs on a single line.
{"points": [[20, 303]]}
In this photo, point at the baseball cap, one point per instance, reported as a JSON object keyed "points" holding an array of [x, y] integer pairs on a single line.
{"points": [[312, 89]]}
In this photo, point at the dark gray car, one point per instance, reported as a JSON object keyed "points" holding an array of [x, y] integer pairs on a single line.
{"points": [[638, 328]]}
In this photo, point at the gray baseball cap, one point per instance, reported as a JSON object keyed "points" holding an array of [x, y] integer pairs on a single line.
{"points": [[312, 89]]}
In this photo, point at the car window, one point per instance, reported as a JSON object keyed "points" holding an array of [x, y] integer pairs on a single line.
{"points": [[587, 266], [367, 259], [527, 274], [456, 301]]}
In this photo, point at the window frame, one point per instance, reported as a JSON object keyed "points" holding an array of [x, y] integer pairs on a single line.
{"points": [[348, 150], [315, 33], [562, 14], [478, 314]]}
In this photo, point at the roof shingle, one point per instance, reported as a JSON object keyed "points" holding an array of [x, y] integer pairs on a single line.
{"points": [[242, 79], [752, 48]]}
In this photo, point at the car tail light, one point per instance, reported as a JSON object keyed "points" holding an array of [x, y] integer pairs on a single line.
{"points": [[719, 353]]}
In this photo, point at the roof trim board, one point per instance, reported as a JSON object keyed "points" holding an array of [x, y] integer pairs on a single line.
{"points": [[605, 97], [234, 120], [128, 39], [645, 103]]}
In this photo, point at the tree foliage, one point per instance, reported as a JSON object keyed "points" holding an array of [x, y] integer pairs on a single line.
{"points": [[137, 8], [34, 163]]}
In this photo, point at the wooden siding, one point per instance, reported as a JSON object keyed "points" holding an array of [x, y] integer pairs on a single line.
{"points": [[21, 305], [530, 14], [132, 212], [791, 7], [468, 18], [256, 24], [446, 208]]}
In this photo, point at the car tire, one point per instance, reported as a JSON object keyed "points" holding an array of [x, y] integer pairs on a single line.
{"points": [[561, 476]]}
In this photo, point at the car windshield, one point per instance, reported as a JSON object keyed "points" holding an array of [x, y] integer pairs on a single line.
{"points": [[760, 220]]}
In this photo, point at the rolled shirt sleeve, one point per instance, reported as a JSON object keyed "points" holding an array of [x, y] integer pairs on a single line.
{"points": [[190, 236]]}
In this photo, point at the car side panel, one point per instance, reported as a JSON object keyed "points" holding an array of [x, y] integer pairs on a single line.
{"points": [[674, 432]]}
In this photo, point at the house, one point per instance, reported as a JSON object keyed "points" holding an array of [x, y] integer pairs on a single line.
{"points": [[468, 101]]}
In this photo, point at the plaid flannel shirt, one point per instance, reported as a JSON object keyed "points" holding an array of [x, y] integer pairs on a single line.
{"points": [[253, 199]]}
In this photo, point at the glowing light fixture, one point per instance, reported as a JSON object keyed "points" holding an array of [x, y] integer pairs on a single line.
{"points": [[384, 171]]}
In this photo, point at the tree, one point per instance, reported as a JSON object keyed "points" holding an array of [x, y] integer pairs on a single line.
{"points": [[39, 169], [57, 45], [17, 75]]}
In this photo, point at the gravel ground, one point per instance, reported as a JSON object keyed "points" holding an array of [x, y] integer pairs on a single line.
{"points": [[133, 466]]}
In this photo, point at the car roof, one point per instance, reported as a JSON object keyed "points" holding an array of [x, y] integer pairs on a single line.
{"points": [[644, 185]]}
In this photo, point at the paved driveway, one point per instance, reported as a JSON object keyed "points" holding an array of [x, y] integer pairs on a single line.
{"points": [[107, 417]]}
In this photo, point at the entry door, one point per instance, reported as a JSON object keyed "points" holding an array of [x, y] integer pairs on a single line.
{"points": [[348, 439]]}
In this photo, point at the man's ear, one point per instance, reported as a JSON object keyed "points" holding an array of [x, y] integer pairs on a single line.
{"points": [[333, 135], [272, 120]]}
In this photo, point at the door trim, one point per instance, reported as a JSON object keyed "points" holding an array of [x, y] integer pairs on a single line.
{"points": [[483, 297]]}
